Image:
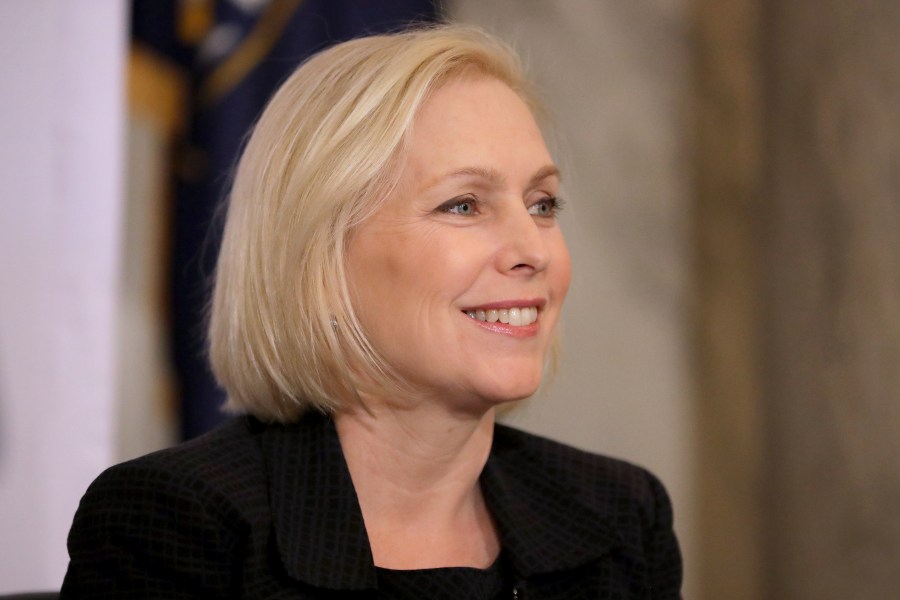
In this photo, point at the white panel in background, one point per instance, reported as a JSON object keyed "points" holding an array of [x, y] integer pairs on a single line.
{"points": [[61, 122]]}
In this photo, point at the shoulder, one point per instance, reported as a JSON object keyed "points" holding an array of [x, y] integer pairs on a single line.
{"points": [[221, 463], [216, 476], [170, 521], [213, 483]]}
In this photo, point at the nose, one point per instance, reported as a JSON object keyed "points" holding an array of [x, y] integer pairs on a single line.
{"points": [[523, 248]]}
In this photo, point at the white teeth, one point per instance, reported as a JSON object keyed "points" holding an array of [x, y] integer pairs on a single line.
{"points": [[517, 317]]}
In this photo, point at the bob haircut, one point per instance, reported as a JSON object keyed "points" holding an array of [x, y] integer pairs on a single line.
{"points": [[324, 154]]}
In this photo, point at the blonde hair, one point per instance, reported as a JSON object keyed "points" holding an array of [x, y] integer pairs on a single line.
{"points": [[283, 334]]}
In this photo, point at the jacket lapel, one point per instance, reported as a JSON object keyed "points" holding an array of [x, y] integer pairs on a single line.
{"points": [[317, 523], [543, 526]]}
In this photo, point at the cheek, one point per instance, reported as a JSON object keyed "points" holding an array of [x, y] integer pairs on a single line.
{"points": [[440, 261], [369, 270], [399, 270], [561, 265]]}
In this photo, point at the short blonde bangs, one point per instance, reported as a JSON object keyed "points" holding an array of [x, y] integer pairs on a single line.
{"points": [[283, 334]]}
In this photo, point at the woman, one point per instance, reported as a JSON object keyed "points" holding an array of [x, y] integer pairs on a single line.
{"points": [[391, 272]]}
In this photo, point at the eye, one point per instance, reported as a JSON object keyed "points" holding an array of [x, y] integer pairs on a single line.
{"points": [[465, 206], [547, 207]]}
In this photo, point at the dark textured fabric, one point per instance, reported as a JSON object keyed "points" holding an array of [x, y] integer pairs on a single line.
{"points": [[269, 511], [449, 583]]}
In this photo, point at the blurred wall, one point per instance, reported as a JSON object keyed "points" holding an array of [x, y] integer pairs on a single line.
{"points": [[146, 390]]}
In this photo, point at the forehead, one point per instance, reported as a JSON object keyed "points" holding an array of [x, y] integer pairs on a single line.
{"points": [[474, 123]]}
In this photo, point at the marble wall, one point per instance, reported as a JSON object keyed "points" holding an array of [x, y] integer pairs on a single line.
{"points": [[832, 200], [798, 298], [727, 324]]}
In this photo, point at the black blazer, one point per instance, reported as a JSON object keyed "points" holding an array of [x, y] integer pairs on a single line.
{"points": [[269, 511]]}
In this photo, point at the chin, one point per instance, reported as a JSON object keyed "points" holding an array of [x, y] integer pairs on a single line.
{"points": [[507, 391]]}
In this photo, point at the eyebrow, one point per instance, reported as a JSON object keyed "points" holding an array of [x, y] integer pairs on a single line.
{"points": [[494, 175]]}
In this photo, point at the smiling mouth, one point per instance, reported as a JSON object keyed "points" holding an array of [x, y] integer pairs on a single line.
{"points": [[516, 317]]}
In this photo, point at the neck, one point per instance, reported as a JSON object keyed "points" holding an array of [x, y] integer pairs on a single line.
{"points": [[416, 473]]}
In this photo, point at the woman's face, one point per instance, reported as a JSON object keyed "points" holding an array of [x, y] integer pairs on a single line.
{"points": [[468, 241]]}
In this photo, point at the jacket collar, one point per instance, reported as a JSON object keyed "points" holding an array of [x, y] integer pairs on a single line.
{"points": [[321, 537], [318, 524], [544, 527]]}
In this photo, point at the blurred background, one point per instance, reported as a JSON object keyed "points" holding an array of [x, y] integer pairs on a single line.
{"points": [[732, 174]]}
